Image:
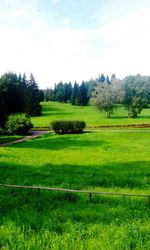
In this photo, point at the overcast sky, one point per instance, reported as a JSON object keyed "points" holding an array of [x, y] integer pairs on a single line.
{"points": [[68, 40]]}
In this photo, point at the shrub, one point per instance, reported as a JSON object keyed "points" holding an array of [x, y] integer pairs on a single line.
{"points": [[18, 124], [68, 127]]}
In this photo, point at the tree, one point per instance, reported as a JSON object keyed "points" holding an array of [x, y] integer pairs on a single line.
{"points": [[32, 101], [135, 94], [113, 77], [67, 92], [102, 78], [49, 95], [107, 80], [59, 92], [75, 94], [41, 95], [104, 97], [83, 97], [10, 96]]}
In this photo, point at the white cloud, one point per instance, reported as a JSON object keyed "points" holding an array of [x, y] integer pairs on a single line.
{"points": [[34, 40]]}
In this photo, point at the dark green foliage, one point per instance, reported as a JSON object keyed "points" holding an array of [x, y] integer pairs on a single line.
{"points": [[48, 95], [135, 94], [10, 96], [75, 94], [61, 93], [18, 124], [68, 127], [83, 95], [32, 101], [18, 95], [41, 95], [101, 78], [67, 92]]}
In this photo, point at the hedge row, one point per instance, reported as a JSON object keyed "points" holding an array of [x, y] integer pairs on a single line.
{"points": [[68, 127]]}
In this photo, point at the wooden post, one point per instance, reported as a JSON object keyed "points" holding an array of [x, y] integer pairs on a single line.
{"points": [[90, 197], [38, 191]]}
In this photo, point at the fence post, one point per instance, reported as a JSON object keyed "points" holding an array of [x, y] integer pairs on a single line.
{"points": [[90, 197], [38, 191]]}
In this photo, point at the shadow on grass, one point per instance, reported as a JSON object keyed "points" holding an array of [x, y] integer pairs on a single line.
{"points": [[60, 114], [48, 108], [116, 117], [118, 174], [59, 142], [144, 116]]}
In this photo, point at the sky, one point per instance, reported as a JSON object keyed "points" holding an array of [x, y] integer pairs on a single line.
{"points": [[68, 40]]}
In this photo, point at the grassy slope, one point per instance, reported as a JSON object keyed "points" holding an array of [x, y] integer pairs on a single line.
{"points": [[6, 138], [97, 161], [56, 111]]}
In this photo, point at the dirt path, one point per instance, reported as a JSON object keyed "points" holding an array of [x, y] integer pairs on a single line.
{"points": [[37, 133], [34, 134]]}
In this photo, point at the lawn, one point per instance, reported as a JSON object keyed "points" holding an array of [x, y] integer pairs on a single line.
{"points": [[106, 161], [9, 138], [57, 111]]}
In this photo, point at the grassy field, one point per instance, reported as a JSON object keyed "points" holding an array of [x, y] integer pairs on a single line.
{"points": [[55, 111], [8, 138], [106, 161]]}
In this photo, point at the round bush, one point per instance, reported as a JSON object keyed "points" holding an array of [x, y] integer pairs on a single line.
{"points": [[18, 124]]}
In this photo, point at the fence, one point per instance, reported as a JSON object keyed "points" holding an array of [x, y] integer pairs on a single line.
{"points": [[90, 193]]}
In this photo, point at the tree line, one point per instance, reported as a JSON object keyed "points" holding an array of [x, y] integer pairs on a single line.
{"points": [[133, 92], [66, 92], [19, 95]]}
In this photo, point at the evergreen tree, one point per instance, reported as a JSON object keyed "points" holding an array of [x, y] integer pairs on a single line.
{"points": [[102, 78], [67, 92], [75, 94], [32, 101], [49, 95], [113, 77], [83, 98], [60, 92], [107, 80]]}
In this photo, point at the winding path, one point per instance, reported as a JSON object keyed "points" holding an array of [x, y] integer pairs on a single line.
{"points": [[34, 134]]}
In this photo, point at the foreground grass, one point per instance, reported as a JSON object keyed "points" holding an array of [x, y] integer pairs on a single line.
{"points": [[61, 111], [96, 161]]}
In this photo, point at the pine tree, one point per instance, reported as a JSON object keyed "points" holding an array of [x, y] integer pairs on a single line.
{"points": [[32, 101], [83, 98], [75, 94]]}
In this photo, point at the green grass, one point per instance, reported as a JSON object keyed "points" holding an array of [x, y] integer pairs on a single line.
{"points": [[107, 161], [57, 111], [9, 138]]}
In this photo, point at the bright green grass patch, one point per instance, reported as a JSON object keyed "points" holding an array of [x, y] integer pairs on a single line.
{"points": [[97, 161], [92, 117]]}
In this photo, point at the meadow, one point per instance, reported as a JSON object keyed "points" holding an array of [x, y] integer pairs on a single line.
{"points": [[9, 138], [106, 161], [92, 116]]}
